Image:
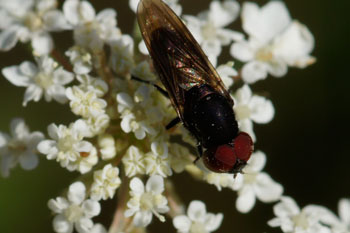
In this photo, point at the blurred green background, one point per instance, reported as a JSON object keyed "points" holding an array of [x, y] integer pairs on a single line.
{"points": [[307, 143]]}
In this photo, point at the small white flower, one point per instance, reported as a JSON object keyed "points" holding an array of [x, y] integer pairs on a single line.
{"points": [[121, 59], [220, 180], [226, 72], [47, 79], [134, 116], [81, 60], [157, 162], [69, 148], [85, 99], [97, 125], [293, 220], [197, 219], [106, 181], [143, 71], [20, 147], [146, 201], [85, 103], [90, 30], [30, 21], [107, 146], [97, 85], [133, 162], [208, 27], [180, 157], [254, 184], [74, 212], [85, 162], [249, 107], [275, 42]]}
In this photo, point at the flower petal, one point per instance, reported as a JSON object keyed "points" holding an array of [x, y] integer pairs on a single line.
{"points": [[98, 228], [137, 186], [266, 22], [182, 223], [222, 14], [294, 45], [42, 44], [256, 162], [155, 184], [277, 68], [62, 225], [76, 193], [8, 38], [286, 207], [197, 211], [76, 11], [33, 92], [242, 51], [344, 210], [142, 219], [254, 71], [14, 75], [58, 205], [246, 199], [213, 221], [55, 21], [266, 189], [91, 208], [262, 110], [84, 225], [29, 161]]}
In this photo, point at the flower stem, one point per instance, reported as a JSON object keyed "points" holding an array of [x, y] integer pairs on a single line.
{"points": [[57, 55], [120, 223], [176, 207]]}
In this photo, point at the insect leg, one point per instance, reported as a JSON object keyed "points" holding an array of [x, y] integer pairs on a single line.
{"points": [[161, 90], [173, 122], [200, 152]]}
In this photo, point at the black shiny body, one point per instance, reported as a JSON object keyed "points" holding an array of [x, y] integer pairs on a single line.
{"points": [[194, 87], [209, 116]]}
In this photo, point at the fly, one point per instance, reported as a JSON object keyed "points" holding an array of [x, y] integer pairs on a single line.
{"points": [[196, 91]]}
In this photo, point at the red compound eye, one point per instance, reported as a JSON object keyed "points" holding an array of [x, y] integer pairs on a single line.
{"points": [[220, 159], [243, 146], [228, 159]]}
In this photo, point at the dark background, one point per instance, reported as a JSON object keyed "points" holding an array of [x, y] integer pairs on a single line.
{"points": [[306, 143]]}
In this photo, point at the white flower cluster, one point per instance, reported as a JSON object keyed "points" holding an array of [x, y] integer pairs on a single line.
{"points": [[119, 138]]}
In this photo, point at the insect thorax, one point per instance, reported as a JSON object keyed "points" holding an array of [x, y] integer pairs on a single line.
{"points": [[209, 116]]}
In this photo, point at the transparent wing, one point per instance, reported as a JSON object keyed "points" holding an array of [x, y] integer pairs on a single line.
{"points": [[177, 57]]}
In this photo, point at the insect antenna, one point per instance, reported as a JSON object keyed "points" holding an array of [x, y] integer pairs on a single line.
{"points": [[174, 121], [161, 90]]}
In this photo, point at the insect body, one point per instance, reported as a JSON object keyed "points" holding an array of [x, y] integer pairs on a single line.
{"points": [[195, 89]]}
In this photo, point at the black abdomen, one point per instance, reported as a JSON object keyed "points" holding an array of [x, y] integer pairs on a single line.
{"points": [[210, 116]]}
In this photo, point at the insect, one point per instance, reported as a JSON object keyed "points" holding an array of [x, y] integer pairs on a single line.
{"points": [[195, 89]]}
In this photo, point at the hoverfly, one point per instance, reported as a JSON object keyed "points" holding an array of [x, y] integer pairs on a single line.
{"points": [[195, 89]]}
